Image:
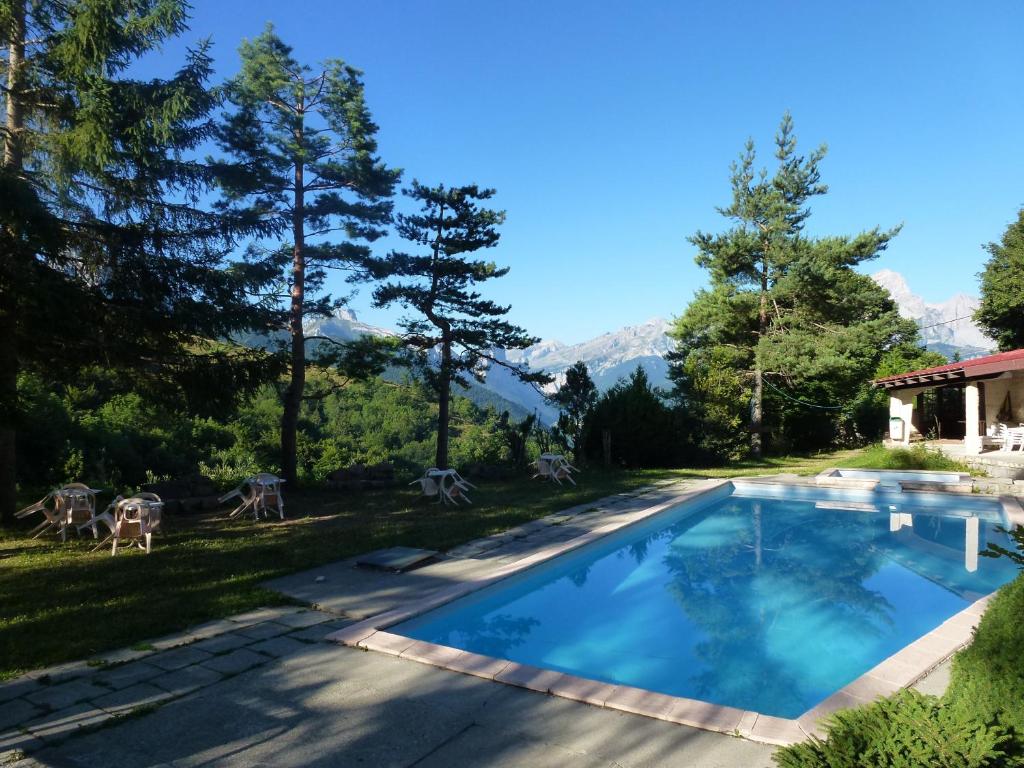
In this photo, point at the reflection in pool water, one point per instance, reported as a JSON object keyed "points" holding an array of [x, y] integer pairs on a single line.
{"points": [[759, 602]]}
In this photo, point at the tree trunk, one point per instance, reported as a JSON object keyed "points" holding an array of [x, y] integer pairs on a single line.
{"points": [[297, 384], [444, 388], [757, 396], [756, 413], [13, 162]]}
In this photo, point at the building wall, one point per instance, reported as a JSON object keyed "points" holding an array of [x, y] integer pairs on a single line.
{"points": [[995, 393]]}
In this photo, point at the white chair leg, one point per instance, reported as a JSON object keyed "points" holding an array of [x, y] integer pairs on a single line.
{"points": [[149, 542]]}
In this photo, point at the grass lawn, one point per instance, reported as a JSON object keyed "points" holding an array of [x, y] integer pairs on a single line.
{"points": [[61, 603]]}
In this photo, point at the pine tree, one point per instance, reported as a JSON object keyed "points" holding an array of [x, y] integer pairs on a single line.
{"points": [[1001, 313], [575, 399], [782, 308], [300, 149], [109, 258], [439, 285]]}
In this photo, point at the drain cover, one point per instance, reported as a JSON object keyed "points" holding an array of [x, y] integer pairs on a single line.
{"points": [[396, 558]]}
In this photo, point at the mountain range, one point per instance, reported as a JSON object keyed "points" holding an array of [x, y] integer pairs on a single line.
{"points": [[946, 327]]}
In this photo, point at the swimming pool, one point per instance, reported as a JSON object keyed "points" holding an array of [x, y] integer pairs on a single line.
{"points": [[764, 598]]}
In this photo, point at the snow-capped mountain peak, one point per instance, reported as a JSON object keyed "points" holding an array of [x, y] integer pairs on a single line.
{"points": [[946, 327]]}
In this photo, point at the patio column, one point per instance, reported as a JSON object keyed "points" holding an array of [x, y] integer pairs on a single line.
{"points": [[901, 404], [971, 545], [972, 435]]}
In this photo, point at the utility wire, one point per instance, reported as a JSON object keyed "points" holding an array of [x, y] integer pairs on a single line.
{"points": [[803, 402], [944, 322]]}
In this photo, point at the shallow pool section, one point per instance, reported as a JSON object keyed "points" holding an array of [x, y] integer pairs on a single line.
{"points": [[760, 597]]}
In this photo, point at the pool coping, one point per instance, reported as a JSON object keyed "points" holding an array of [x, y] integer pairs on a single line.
{"points": [[900, 670]]}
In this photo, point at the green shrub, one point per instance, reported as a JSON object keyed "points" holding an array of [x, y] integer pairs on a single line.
{"points": [[988, 675], [908, 730]]}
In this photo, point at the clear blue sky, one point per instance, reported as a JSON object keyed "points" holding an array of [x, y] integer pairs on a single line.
{"points": [[608, 127]]}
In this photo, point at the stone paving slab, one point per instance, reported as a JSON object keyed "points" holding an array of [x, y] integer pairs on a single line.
{"points": [[67, 722], [235, 662], [21, 686], [125, 675], [263, 630], [178, 658], [184, 681], [319, 632], [128, 699], [65, 694], [218, 644], [279, 646], [13, 713]]}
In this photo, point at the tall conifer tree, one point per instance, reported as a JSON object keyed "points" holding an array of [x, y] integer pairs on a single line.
{"points": [[108, 258], [1001, 313], [439, 285], [781, 306], [302, 159]]}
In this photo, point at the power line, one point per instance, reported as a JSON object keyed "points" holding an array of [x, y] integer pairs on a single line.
{"points": [[803, 402], [944, 322]]}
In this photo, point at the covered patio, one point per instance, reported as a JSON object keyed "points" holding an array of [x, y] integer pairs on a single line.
{"points": [[961, 408]]}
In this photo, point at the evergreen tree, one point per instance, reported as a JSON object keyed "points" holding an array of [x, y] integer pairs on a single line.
{"points": [[1001, 314], [575, 399], [783, 310], [301, 158], [641, 425], [439, 285], [108, 257]]}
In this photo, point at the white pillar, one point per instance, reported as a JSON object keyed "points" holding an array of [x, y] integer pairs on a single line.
{"points": [[971, 545], [972, 435], [901, 404]]}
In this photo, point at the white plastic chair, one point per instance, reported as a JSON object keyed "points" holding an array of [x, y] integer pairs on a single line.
{"points": [[47, 507], [258, 493], [76, 505], [136, 519]]}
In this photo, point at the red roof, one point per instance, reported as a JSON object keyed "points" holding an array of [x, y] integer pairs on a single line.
{"points": [[978, 366]]}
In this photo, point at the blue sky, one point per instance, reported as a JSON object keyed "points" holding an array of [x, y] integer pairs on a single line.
{"points": [[608, 127]]}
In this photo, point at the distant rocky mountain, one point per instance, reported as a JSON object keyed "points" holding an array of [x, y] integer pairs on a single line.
{"points": [[947, 327], [609, 357]]}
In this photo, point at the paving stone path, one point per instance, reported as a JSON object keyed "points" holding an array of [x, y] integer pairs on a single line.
{"points": [[47, 706]]}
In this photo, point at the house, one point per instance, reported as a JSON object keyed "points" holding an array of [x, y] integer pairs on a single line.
{"points": [[958, 405]]}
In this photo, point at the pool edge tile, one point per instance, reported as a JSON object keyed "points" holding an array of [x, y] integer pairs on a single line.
{"points": [[386, 642], [581, 689], [528, 676], [477, 665]]}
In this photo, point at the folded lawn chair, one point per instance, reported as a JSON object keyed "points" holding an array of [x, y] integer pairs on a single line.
{"points": [[72, 505], [553, 466], [446, 484], [47, 507], [260, 494], [76, 504]]}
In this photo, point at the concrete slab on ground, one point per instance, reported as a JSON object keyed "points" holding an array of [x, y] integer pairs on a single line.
{"points": [[331, 706]]}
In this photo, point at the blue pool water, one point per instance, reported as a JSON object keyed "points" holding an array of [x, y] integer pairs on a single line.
{"points": [[756, 597]]}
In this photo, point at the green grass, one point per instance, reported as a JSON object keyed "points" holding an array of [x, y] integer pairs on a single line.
{"points": [[60, 603], [917, 457]]}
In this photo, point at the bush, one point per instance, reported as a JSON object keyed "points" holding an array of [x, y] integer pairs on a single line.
{"points": [[988, 675], [908, 730]]}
